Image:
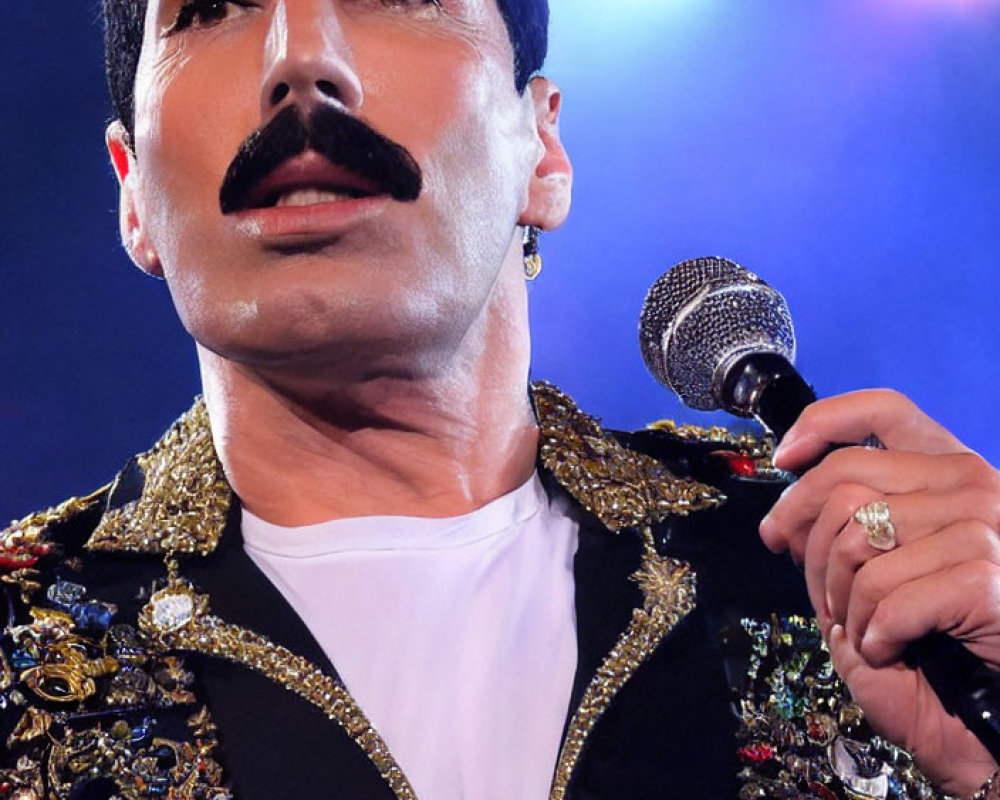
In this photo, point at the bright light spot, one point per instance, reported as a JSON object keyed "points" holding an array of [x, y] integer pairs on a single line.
{"points": [[622, 32], [957, 5], [625, 12]]}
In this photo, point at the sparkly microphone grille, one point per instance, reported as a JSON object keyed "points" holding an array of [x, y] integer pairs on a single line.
{"points": [[700, 324]]}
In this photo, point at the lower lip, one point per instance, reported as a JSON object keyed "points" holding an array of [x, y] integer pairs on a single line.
{"points": [[317, 221]]}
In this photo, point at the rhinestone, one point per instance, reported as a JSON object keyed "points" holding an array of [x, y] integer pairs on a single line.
{"points": [[172, 610]]}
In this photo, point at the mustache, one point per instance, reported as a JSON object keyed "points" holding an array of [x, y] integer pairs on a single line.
{"points": [[344, 140]]}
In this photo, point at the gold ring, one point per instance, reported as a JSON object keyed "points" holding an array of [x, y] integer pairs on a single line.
{"points": [[878, 524]]}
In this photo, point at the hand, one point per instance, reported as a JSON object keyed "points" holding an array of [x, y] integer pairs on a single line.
{"points": [[943, 575]]}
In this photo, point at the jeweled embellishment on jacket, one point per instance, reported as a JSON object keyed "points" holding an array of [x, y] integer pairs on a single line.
{"points": [[185, 496], [173, 607], [142, 765], [621, 487], [801, 734], [183, 506], [172, 611], [25, 545], [177, 618], [103, 691], [625, 490], [668, 588], [24, 542]]}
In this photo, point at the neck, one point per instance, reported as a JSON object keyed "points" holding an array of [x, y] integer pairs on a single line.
{"points": [[431, 445]]}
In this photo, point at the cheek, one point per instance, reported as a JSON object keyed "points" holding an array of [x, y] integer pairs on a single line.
{"points": [[484, 166], [191, 116], [448, 87], [462, 120]]}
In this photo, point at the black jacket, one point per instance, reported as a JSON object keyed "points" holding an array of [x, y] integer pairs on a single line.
{"points": [[698, 676]]}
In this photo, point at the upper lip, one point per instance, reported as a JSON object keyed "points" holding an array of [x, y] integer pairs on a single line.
{"points": [[309, 170]]}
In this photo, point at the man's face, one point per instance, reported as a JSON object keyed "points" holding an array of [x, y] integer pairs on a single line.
{"points": [[312, 270]]}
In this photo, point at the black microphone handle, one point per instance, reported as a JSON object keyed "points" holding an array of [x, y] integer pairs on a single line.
{"points": [[966, 686], [765, 386], [769, 388]]}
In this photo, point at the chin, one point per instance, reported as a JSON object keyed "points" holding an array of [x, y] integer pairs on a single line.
{"points": [[352, 338]]}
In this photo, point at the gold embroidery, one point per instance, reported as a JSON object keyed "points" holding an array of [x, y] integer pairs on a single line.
{"points": [[34, 724], [668, 588], [24, 543], [6, 673], [757, 447], [26, 580], [622, 488], [62, 664], [141, 764], [185, 501], [185, 497], [24, 781], [176, 618], [32, 528]]}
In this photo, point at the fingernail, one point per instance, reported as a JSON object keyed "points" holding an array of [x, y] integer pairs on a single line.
{"points": [[783, 446], [836, 637], [780, 459]]}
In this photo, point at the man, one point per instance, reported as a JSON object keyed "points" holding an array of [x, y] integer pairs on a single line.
{"points": [[421, 574]]}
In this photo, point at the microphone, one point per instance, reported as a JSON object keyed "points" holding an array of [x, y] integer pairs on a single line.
{"points": [[719, 337]]}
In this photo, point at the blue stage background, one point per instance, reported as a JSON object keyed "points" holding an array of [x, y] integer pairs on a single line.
{"points": [[846, 150]]}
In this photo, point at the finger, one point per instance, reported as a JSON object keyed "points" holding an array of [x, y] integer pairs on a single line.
{"points": [[849, 418], [886, 472], [914, 517], [814, 547], [960, 600], [902, 707], [854, 597]]}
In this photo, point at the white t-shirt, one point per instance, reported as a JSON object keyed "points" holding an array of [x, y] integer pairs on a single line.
{"points": [[457, 637]]}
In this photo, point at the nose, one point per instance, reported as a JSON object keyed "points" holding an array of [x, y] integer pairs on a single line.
{"points": [[307, 59]]}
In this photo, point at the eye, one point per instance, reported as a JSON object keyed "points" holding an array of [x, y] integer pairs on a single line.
{"points": [[204, 14], [426, 6]]}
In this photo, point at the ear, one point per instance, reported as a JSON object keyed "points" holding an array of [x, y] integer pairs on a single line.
{"points": [[550, 189], [133, 234]]}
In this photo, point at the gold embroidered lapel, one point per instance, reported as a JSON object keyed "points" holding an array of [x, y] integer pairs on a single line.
{"points": [[625, 490], [621, 487], [185, 500], [185, 496], [183, 507], [177, 618]]}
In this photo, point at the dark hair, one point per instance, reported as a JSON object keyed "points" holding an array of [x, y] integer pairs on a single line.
{"points": [[527, 24]]}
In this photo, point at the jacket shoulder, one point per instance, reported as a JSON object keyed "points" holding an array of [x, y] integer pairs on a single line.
{"points": [[28, 543], [711, 454], [738, 575]]}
